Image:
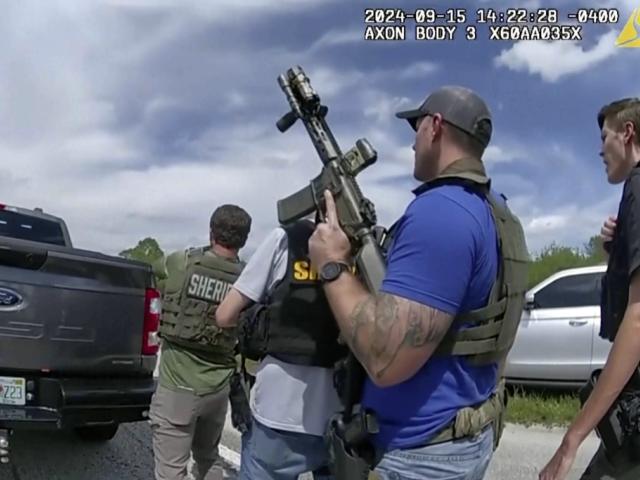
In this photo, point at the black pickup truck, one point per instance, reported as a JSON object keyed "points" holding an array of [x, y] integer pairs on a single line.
{"points": [[78, 332]]}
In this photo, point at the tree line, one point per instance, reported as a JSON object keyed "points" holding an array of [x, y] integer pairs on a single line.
{"points": [[551, 259]]}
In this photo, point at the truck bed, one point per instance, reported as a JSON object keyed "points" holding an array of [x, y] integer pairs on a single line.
{"points": [[66, 311]]}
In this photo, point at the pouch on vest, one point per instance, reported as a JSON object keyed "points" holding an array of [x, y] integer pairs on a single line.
{"points": [[253, 332]]}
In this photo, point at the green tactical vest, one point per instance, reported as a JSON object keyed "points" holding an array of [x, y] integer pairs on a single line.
{"points": [[190, 301], [493, 327]]}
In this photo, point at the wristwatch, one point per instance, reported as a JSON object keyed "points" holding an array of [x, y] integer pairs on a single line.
{"points": [[332, 270]]}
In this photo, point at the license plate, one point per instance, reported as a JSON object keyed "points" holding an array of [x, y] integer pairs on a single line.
{"points": [[12, 391]]}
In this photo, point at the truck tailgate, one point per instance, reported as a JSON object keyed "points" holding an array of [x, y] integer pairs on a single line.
{"points": [[69, 310]]}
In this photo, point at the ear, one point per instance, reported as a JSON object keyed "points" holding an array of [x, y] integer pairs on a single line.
{"points": [[628, 132], [436, 125]]}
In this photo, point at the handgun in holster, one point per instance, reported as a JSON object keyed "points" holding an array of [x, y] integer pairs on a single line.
{"points": [[240, 411], [351, 454], [619, 429]]}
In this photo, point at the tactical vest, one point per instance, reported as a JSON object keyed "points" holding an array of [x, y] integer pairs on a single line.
{"points": [[190, 301], [295, 323], [489, 331], [615, 283]]}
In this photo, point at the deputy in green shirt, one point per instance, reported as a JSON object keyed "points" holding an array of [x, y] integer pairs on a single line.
{"points": [[197, 360]]}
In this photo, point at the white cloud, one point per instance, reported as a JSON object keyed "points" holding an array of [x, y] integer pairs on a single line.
{"points": [[563, 154], [625, 7], [92, 94], [497, 154], [383, 107], [334, 38], [135, 119], [555, 60], [329, 82], [218, 10], [418, 70], [546, 223], [568, 223]]}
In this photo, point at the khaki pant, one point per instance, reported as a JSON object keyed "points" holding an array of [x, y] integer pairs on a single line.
{"points": [[619, 467], [181, 423]]}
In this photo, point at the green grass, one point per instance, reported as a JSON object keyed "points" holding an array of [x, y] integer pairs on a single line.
{"points": [[538, 406]]}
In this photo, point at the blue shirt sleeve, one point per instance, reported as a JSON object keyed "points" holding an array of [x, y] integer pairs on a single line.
{"points": [[432, 256]]}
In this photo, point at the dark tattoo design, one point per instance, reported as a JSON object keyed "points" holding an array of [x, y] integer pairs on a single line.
{"points": [[382, 326]]}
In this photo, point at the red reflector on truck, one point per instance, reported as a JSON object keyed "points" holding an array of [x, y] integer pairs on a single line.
{"points": [[152, 309]]}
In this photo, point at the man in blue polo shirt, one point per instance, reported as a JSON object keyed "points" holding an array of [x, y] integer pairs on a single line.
{"points": [[443, 262]]}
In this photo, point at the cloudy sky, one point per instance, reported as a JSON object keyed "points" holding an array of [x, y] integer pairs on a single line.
{"points": [[137, 118]]}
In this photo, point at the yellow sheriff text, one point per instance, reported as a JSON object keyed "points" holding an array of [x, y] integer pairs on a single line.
{"points": [[304, 271]]}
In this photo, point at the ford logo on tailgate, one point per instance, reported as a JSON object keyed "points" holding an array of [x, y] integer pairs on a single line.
{"points": [[9, 298]]}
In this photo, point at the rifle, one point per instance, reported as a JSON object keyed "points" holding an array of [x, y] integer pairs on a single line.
{"points": [[356, 213], [351, 455]]}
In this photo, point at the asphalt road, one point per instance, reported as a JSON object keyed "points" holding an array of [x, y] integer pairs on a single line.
{"points": [[524, 451], [62, 456]]}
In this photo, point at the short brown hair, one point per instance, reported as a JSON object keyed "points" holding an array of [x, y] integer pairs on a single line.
{"points": [[230, 226], [621, 111], [466, 142]]}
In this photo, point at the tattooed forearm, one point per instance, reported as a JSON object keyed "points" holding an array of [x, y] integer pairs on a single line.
{"points": [[382, 327], [424, 325], [360, 320]]}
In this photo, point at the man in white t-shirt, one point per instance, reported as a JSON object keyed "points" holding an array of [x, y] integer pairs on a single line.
{"points": [[293, 397]]}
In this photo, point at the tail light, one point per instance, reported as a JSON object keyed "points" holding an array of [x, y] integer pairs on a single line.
{"points": [[152, 309]]}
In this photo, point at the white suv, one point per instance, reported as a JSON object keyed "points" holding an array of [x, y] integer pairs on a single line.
{"points": [[557, 342]]}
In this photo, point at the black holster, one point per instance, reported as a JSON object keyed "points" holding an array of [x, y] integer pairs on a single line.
{"points": [[629, 417], [619, 429], [239, 401], [351, 453]]}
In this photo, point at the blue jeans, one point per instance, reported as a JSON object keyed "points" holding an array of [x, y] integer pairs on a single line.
{"points": [[269, 454], [464, 459]]}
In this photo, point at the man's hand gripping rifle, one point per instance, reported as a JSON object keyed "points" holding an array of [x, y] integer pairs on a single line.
{"points": [[351, 454]]}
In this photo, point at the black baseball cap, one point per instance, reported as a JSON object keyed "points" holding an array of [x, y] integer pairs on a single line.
{"points": [[459, 106]]}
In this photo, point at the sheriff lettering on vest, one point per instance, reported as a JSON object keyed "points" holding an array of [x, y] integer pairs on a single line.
{"points": [[434, 337], [197, 362]]}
